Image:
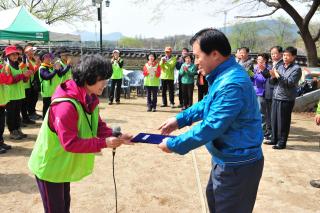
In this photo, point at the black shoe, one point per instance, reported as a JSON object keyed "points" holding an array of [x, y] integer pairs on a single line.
{"points": [[28, 121], [117, 102], [5, 146], [149, 110], [154, 110], [278, 147], [110, 103], [164, 105], [22, 134], [315, 183], [269, 143], [2, 150], [15, 135], [267, 138], [23, 124], [35, 116]]}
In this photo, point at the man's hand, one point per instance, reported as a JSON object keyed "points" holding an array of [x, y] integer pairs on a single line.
{"points": [[272, 73], [276, 74], [169, 126], [317, 119], [163, 146]]}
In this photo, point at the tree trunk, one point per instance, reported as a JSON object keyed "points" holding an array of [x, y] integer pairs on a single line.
{"points": [[310, 48]]}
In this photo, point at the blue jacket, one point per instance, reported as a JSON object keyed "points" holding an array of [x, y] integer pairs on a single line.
{"points": [[231, 120]]}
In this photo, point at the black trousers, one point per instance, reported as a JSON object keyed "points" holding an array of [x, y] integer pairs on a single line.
{"points": [[180, 90], [187, 92], [281, 121], [114, 83], [233, 188], [268, 130], [202, 91], [46, 105], [55, 196], [13, 114], [167, 84], [26, 104], [32, 101], [152, 93], [2, 121]]}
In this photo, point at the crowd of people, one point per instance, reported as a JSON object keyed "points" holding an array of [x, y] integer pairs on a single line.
{"points": [[25, 73], [237, 96]]}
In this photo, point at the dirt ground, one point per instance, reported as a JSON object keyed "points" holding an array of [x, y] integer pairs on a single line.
{"points": [[151, 181]]}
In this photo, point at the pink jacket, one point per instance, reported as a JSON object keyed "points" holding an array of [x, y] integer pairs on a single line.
{"points": [[63, 119]]}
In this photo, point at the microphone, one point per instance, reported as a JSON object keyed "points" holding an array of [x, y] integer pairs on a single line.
{"points": [[116, 132]]}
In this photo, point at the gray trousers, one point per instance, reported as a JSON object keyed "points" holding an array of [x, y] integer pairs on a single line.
{"points": [[233, 189]]}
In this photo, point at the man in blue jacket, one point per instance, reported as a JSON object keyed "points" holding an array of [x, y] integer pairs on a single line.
{"points": [[230, 126]]}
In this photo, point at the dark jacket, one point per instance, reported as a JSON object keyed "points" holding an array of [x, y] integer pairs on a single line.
{"points": [[268, 94], [285, 87]]}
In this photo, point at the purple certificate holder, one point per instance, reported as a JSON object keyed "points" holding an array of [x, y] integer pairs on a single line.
{"points": [[150, 138]]}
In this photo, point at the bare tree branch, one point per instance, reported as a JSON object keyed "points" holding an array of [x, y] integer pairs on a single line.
{"points": [[270, 4], [292, 12], [259, 16], [314, 7]]}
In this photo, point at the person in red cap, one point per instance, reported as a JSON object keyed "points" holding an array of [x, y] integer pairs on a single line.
{"points": [[15, 92]]}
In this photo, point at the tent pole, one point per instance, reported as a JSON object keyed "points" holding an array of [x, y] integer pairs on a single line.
{"points": [[49, 46]]}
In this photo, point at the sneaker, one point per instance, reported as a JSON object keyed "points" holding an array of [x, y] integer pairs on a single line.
{"points": [[15, 135], [28, 121], [149, 110], [180, 106], [154, 110], [5, 146], [2, 150], [172, 106], [22, 134], [117, 102], [164, 105]]}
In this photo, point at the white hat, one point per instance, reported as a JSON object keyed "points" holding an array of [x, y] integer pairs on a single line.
{"points": [[28, 48], [115, 51]]}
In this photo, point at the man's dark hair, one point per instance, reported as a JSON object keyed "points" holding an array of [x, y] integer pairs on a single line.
{"points": [[245, 48], [291, 50], [279, 48], [186, 49], [212, 39], [265, 56], [92, 68]]}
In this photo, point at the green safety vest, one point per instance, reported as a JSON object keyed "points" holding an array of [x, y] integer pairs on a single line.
{"points": [[4, 99], [50, 162], [15, 91], [48, 87], [151, 79], [26, 85], [318, 109], [117, 71], [66, 76], [167, 71]]}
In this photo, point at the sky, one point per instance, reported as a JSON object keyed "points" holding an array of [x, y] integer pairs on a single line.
{"points": [[142, 18]]}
